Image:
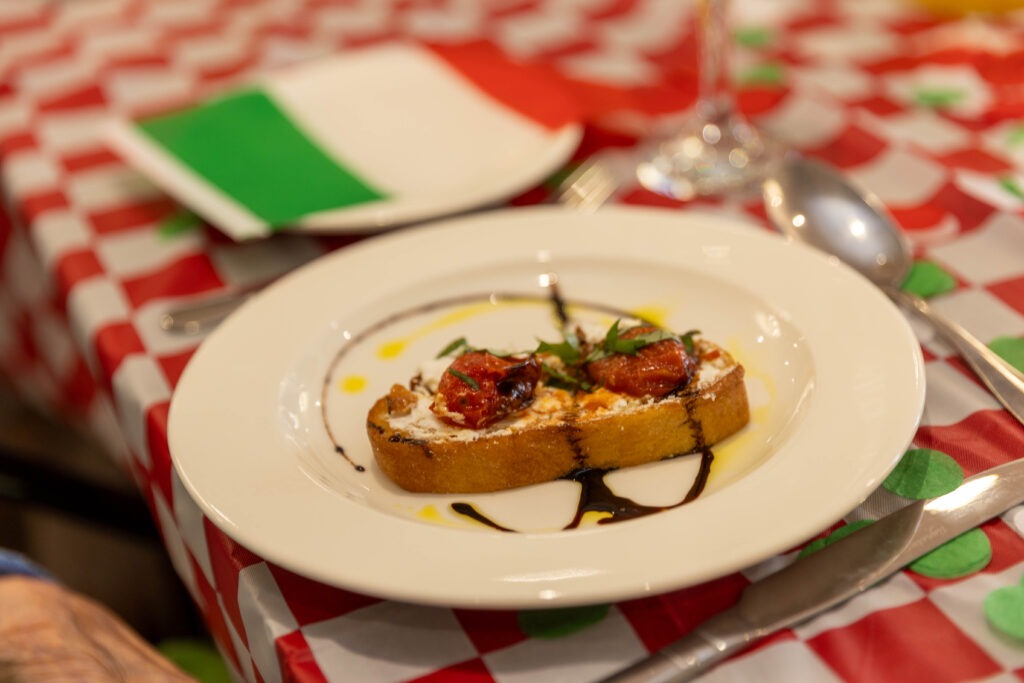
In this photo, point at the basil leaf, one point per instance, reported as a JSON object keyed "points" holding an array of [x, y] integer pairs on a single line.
{"points": [[465, 378], [453, 347], [687, 340], [646, 339], [567, 350], [562, 380], [614, 342]]}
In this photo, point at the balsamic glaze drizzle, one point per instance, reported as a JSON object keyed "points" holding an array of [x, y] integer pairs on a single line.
{"points": [[596, 496], [558, 303], [341, 451], [467, 510], [552, 297]]}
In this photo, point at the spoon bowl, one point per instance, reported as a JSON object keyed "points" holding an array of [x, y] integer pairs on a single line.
{"points": [[810, 202]]}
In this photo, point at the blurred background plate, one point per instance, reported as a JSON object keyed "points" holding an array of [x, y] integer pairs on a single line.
{"points": [[360, 141]]}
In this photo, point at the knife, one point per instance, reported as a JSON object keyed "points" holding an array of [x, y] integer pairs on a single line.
{"points": [[833, 575]]}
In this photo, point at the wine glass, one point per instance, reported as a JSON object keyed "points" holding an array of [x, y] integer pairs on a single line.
{"points": [[716, 151]]}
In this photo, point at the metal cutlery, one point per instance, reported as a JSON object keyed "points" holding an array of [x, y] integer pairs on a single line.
{"points": [[833, 575], [810, 201]]}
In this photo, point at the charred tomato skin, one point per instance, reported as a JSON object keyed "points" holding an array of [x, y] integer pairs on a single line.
{"points": [[656, 370], [480, 388]]}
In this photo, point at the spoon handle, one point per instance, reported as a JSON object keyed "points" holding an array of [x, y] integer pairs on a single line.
{"points": [[1004, 381], [198, 317]]}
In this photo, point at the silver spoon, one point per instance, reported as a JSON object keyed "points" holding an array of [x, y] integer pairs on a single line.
{"points": [[811, 202]]}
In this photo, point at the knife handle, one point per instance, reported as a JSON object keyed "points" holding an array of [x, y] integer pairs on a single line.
{"points": [[692, 655]]}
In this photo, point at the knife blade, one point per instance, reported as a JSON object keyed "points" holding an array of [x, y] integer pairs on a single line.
{"points": [[833, 575]]}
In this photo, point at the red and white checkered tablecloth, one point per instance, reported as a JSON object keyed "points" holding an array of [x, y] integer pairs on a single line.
{"points": [[925, 111]]}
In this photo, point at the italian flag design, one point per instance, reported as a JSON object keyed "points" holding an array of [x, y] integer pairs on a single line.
{"points": [[370, 138]]}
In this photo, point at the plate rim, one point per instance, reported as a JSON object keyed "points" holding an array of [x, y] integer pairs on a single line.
{"points": [[567, 590], [387, 217]]}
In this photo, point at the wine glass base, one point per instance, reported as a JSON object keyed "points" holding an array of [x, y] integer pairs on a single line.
{"points": [[708, 157]]}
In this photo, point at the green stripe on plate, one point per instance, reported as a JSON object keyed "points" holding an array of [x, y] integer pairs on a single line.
{"points": [[248, 148]]}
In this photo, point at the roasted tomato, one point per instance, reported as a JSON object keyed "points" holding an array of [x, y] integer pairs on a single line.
{"points": [[479, 388], [655, 370]]}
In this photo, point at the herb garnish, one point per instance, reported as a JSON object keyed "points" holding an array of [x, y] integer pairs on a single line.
{"points": [[465, 378], [453, 347], [614, 343], [573, 354], [563, 380], [570, 351], [462, 347]]}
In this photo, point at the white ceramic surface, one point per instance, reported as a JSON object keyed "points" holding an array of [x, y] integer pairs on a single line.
{"points": [[834, 375], [437, 145]]}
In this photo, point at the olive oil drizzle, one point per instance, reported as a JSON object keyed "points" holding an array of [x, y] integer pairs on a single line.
{"points": [[595, 495], [552, 297]]}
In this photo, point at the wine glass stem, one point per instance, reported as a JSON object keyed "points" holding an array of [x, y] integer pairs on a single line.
{"points": [[714, 96], [715, 150]]}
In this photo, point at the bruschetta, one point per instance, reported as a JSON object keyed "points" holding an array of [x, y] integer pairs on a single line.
{"points": [[490, 421]]}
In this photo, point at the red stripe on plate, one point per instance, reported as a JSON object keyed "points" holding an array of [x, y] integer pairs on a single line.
{"points": [[531, 91]]}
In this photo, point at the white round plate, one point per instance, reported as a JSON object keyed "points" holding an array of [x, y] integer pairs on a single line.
{"points": [[429, 131], [834, 376]]}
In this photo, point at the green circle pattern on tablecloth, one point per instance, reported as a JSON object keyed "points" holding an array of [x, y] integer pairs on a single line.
{"points": [[1004, 609], [924, 473], [557, 623], [842, 532], [928, 279], [1010, 349], [966, 554]]}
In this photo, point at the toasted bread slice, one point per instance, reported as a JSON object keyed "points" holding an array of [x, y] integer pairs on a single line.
{"points": [[558, 433]]}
